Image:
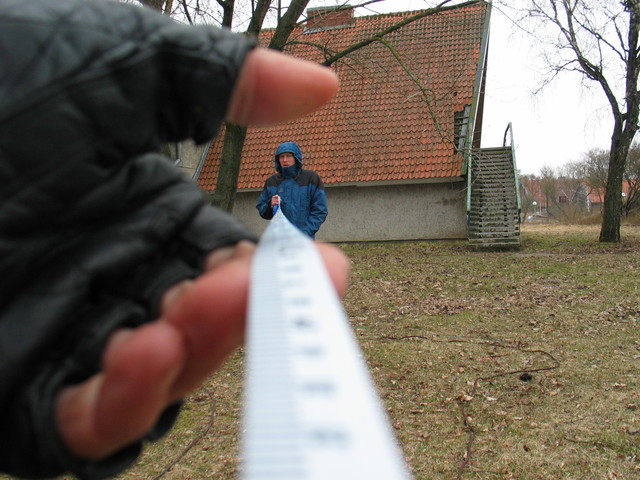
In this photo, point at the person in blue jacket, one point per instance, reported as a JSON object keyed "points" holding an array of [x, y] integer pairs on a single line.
{"points": [[299, 192]]}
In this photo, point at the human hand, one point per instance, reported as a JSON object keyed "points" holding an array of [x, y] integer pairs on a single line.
{"points": [[275, 200], [201, 321]]}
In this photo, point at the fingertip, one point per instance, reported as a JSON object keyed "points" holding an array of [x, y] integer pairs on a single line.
{"points": [[275, 87], [338, 266], [220, 255], [173, 294], [121, 403]]}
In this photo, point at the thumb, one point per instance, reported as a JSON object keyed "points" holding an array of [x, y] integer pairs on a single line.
{"points": [[274, 87]]}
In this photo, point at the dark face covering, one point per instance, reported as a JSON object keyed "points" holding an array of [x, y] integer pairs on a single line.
{"points": [[290, 172]]}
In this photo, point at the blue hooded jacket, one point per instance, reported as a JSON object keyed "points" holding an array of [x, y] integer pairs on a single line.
{"points": [[302, 197]]}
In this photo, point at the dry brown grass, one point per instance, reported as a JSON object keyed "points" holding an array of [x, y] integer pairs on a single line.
{"points": [[559, 228], [492, 365]]}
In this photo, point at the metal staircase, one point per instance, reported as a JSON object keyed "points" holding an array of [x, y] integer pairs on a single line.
{"points": [[493, 200]]}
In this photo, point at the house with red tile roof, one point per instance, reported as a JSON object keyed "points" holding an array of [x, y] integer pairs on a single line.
{"points": [[390, 146], [596, 195]]}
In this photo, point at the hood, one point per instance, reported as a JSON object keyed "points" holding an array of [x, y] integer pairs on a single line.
{"points": [[291, 147]]}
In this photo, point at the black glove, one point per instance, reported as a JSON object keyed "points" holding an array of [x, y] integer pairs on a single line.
{"points": [[93, 227]]}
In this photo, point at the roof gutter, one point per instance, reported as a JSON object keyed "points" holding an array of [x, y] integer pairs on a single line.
{"points": [[203, 158], [477, 92]]}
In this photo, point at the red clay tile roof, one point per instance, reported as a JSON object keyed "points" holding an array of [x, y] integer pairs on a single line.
{"points": [[380, 126], [596, 195]]}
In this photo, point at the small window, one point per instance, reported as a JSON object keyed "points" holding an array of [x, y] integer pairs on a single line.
{"points": [[460, 128]]}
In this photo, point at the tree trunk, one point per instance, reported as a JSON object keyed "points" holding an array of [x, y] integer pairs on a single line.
{"points": [[227, 12], [155, 4], [626, 126], [257, 17], [287, 23], [225, 194], [612, 207], [168, 7]]}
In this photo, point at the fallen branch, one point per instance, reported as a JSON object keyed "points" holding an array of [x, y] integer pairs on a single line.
{"points": [[192, 444]]}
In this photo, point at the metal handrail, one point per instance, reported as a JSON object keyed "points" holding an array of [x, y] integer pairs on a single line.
{"points": [[468, 189], [509, 130]]}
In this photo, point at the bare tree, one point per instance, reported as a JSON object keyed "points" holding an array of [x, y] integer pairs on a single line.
{"points": [[600, 40], [235, 135], [549, 189], [571, 183], [595, 167], [216, 12], [528, 195], [593, 171]]}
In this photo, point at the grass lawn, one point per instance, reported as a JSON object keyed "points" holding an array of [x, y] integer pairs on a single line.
{"points": [[492, 365]]}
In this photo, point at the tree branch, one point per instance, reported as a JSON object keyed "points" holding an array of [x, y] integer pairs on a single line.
{"points": [[378, 36]]}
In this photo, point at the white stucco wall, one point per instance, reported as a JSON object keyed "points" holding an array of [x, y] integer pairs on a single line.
{"points": [[373, 213]]}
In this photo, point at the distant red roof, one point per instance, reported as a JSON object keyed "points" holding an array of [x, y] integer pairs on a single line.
{"points": [[596, 195], [381, 126]]}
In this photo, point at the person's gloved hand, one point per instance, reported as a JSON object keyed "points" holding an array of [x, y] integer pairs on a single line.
{"points": [[159, 363], [99, 334]]}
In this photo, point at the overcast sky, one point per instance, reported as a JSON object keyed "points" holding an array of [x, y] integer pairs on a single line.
{"points": [[551, 128], [554, 127]]}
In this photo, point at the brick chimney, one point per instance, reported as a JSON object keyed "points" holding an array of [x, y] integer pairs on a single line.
{"points": [[328, 18]]}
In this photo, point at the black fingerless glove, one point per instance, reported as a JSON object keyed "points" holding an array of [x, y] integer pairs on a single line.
{"points": [[93, 227]]}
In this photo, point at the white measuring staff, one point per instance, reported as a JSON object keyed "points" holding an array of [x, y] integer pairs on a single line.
{"points": [[311, 410]]}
